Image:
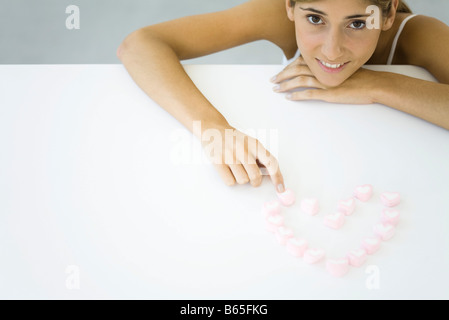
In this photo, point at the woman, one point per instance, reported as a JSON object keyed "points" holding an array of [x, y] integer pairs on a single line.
{"points": [[334, 40]]}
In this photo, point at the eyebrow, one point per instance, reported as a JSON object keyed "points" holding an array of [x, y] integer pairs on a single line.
{"points": [[324, 14]]}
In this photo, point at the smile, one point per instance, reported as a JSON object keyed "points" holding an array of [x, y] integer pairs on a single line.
{"points": [[328, 67]]}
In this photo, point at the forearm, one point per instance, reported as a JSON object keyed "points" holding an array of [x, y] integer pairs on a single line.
{"points": [[423, 99], [156, 69]]}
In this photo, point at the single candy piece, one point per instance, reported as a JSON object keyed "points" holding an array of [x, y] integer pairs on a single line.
{"points": [[364, 193], [312, 256], [384, 231], [287, 198], [337, 267], [274, 222], [271, 208], [390, 199], [283, 234], [357, 257], [335, 221], [297, 247], [390, 216], [347, 206], [310, 206], [371, 245]]}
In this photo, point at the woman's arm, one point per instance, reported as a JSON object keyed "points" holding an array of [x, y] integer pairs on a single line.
{"points": [[423, 99], [152, 57]]}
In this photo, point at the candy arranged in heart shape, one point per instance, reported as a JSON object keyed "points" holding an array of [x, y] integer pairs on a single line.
{"points": [[298, 247]]}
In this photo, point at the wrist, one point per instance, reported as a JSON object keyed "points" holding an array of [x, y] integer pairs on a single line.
{"points": [[200, 126], [383, 87]]}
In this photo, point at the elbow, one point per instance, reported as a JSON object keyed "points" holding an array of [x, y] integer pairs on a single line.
{"points": [[128, 43]]}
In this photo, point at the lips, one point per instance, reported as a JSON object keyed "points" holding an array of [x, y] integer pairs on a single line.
{"points": [[331, 67]]}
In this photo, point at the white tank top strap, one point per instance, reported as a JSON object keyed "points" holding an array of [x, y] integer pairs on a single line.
{"points": [[396, 39], [286, 61]]}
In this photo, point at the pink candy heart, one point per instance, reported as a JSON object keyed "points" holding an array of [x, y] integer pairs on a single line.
{"points": [[274, 221], [335, 221], [390, 216], [357, 257], [347, 206], [287, 198], [364, 193], [297, 247], [271, 208], [390, 199], [312, 256], [283, 234], [384, 231], [337, 267], [371, 245]]}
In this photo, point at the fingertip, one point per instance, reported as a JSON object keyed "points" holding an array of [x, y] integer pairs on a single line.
{"points": [[280, 188]]}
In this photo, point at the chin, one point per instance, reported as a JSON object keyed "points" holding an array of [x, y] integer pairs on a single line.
{"points": [[332, 82]]}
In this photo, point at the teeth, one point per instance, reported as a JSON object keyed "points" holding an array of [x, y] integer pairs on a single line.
{"points": [[332, 66]]}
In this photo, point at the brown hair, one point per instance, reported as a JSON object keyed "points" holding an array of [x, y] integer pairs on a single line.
{"points": [[385, 5]]}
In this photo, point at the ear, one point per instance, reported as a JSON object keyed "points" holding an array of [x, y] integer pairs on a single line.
{"points": [[290, 9], [389, 19]]}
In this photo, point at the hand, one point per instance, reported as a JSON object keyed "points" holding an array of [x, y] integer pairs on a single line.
{"points": [[357, 89], [238, 157]]}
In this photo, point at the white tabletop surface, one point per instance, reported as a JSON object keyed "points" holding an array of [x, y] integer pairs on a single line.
{"points": [[104, 195]]}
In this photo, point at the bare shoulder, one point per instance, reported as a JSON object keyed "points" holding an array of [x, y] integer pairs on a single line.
{"points": [[270, 22], [198, 35], [425, 43]]}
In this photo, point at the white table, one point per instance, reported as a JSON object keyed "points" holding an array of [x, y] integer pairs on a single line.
{"points": [[98, 200]]}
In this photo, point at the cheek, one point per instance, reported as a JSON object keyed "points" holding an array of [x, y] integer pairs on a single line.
{"points": [[307, 42], [362, 48]]}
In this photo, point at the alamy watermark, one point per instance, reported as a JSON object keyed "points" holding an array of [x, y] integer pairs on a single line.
{"points": [[73, 20], [373, 21], [73, 280], [229, 146], [373, 280]]}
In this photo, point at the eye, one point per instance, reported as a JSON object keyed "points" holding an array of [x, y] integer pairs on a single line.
{"points": [[358, 25], [316, 20]]}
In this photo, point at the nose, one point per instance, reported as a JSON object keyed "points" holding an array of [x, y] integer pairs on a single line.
{"points": [[332, 47]]}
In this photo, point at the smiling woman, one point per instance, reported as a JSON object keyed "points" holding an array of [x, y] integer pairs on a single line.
{"points": [[334, 43], [343, 40]]}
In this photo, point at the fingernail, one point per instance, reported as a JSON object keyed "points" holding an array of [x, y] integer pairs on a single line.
{"points": [[289, 96], [276, 88], [273, 79], [281, 188]]}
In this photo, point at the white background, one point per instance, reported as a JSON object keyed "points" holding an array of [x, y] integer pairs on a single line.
{"points": [[90, 177]]}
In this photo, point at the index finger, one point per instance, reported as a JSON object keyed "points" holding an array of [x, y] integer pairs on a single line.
{"points": [[272, 166]]}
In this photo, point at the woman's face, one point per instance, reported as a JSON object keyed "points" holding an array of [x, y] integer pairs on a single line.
{"points": [[333, 37]]}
